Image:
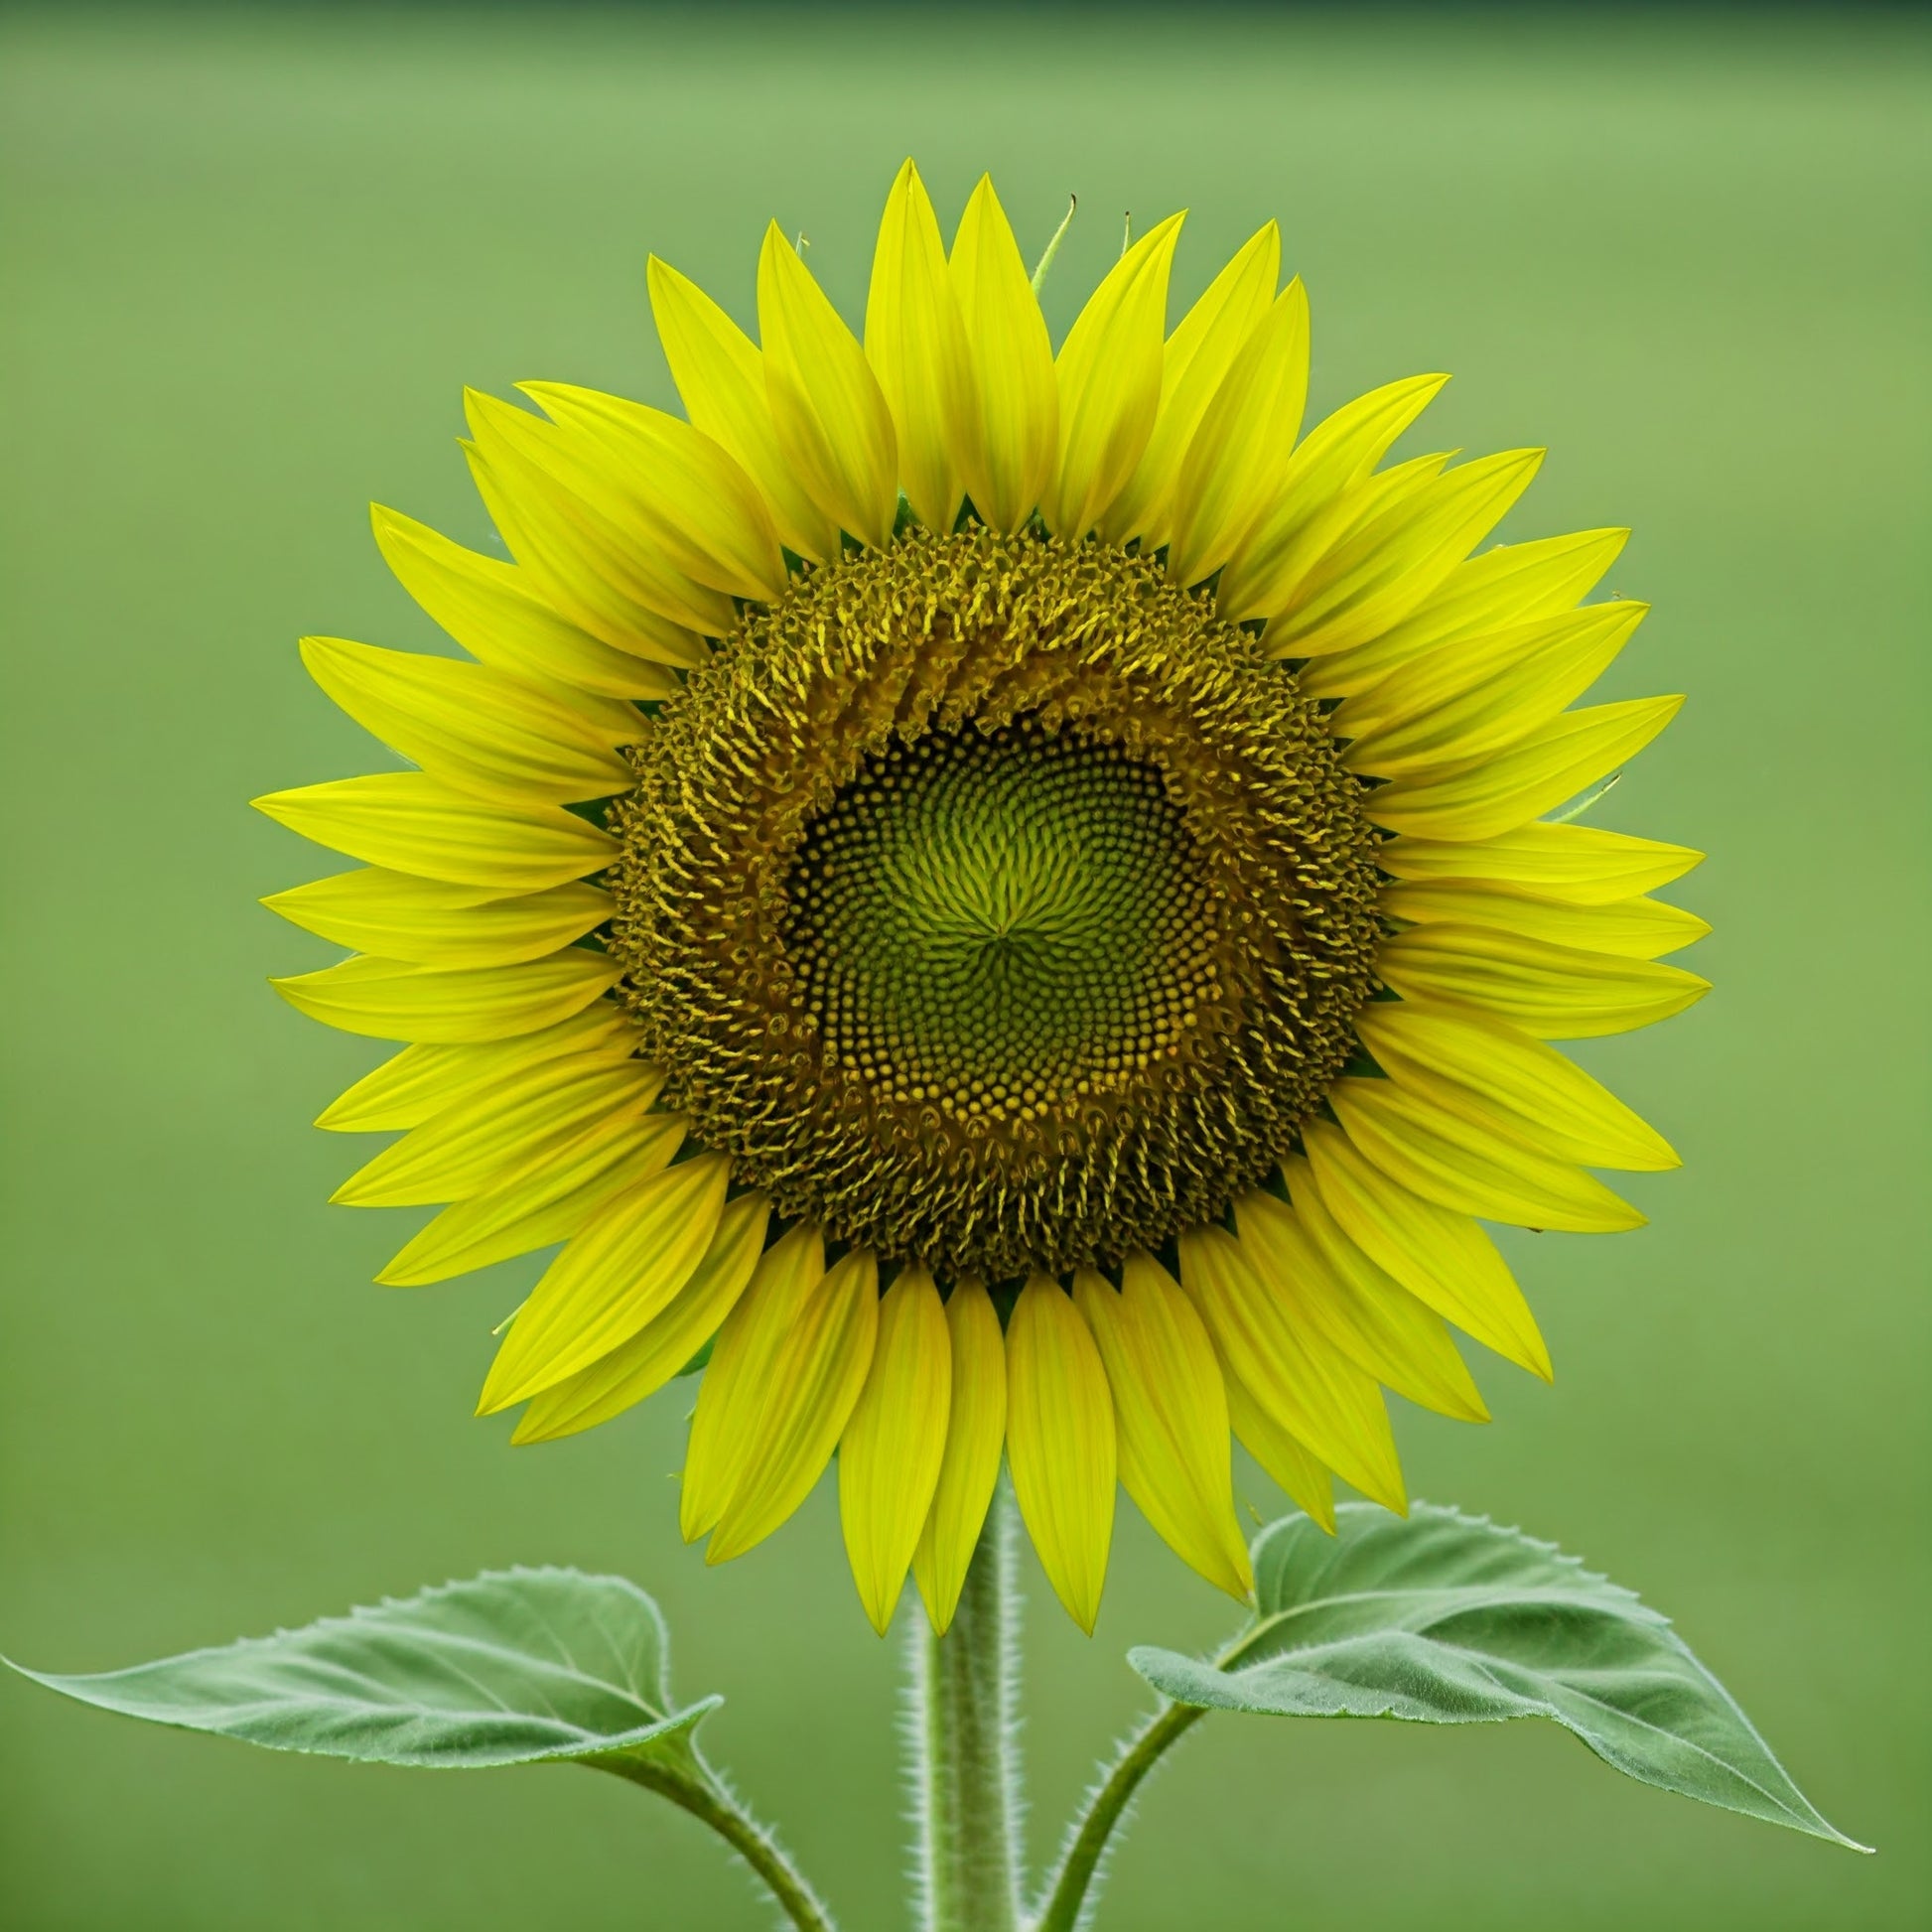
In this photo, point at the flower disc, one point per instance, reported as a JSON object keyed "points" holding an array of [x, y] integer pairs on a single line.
{"points": [[995, 905]]}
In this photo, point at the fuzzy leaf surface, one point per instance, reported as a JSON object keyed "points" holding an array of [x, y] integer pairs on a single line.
{"points": [[511, 1667], [1446, 1618]]}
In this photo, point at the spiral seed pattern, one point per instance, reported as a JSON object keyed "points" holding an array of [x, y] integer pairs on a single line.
{"points": [[993, 903], [1000, 924]]}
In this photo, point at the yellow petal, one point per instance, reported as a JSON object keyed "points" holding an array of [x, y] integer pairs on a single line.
{"points": [[720, 376], [661, 1348], [1232, 471], [976, 1428], [1508, 584], [832, 421], [511, 1124], [1323, 492], [916, 347], [1197, 357], [892, 1448], [1576, 863], [1170, 1412], [1472, 699], [1107, 373], [1313, 1391], [742, 1367], [623, 1269], [1464, 1062], [1472, 1168], [1378, 576], [391, 1001], [817, 1377], [1536, 773], [1299, 1470], [542, 1202], [1550, 992], [429, 923], [581, 539], [479, 729], [696, 502], [409, 822], [412, 1086], [1007, 458], [1632, 928], [1327, 1284], [489, 610], [1060, 1444], [1440, 1258]]}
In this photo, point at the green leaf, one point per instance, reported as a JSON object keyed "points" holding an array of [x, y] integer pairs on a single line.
{"points": [[513, 1667], [1444, 1618]]}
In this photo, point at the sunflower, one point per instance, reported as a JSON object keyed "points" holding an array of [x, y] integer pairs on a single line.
{"points": [[1002, 903]]}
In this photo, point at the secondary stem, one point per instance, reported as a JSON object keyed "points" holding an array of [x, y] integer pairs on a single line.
{"points": [[704, 1795], [963, 1690], [1060, 1911]]}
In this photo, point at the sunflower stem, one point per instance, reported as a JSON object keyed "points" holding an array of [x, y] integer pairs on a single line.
{"points": [[1064, 1904], [707, 1795], [966, 1771]]}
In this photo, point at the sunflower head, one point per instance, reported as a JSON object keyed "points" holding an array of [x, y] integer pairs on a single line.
{"points": [[1004, 897]]}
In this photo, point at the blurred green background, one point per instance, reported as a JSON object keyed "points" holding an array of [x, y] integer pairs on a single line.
{"points": [[252, 257]]}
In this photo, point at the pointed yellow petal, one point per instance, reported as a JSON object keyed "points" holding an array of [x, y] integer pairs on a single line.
{"points": [[1466, 1062], [1171, 1412], [891, 1454], [1532, 775], [1576, 863], [976, 1428], [662, 1348], [694, 499], [1329, 1286], [1550, 992], [720, 376], [541, 1201], [1379, 576], [832, 421], [916, 343], [1310, 1390], [1197, 357], [1472, 699], [416, 1084], [479, 729], [1007, 458], [1060, 1444], [1233, 470], [431, 923], [1108, 373], [625, 1268], [1472, 1168], [1632, 928], [1300, 1471], [1508, 584], [742, 1367], [582, 540], [1322, 495], [391, 1001], [817, 1377], [501, 1131], [1440, 1258], [486, 604], [409, 822]]}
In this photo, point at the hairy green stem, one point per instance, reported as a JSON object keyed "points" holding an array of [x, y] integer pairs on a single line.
{"points": [[962, 1734], [1066, 1897], [706, 1795]]}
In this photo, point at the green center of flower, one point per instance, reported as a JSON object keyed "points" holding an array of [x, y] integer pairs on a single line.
{"points": [[999, 922]]}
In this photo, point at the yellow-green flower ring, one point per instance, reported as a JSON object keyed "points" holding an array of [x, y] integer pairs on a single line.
{"points": [[1007, 892]]}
